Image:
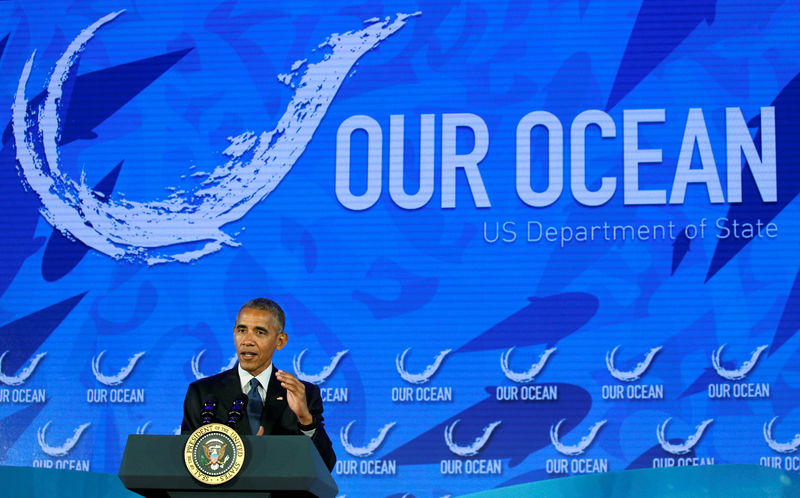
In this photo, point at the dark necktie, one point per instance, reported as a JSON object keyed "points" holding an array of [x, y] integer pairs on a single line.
{"points": [[254, 406]]}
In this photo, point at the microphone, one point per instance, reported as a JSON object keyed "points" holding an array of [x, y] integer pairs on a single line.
{"points": [[237, 410], [208, 413]]}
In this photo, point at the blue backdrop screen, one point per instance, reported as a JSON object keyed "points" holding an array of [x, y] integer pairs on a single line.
{"points": [[514, 240]]}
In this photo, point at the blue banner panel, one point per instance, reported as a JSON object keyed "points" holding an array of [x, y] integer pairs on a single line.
{"points": [[514, 241], [717, 481]]}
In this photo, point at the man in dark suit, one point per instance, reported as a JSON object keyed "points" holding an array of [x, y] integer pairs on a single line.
{"points": [[278, 402]]}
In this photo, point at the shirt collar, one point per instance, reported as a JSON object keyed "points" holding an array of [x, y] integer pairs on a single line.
{"points": [[245, 377]]}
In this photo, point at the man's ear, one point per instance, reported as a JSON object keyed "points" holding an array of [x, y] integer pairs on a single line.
{"points": [[283, 338]]}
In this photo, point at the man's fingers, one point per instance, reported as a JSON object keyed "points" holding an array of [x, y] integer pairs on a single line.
{"points": [[286, 377], [296, 386], [290, 382], [260, 431]]}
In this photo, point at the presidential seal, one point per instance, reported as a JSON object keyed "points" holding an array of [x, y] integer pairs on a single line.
{"points": [[214, 454]]}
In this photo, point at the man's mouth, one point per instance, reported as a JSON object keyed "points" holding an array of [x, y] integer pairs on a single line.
{"points": [[247, 355]]}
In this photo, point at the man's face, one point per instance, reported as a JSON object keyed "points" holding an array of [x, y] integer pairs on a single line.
{"points": [[256, 337]]}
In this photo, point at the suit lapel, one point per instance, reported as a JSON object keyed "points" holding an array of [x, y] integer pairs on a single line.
{"points": [[275, 405], [232, 389]]}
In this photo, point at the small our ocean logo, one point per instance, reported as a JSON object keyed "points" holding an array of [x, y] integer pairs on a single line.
{"points": [[426, 374], [736, 373], [476, 446], [22, 375], [637, 371], [686, 446], [580, 447], [63, 449], [531, 373], [118, 378], [369, 448], [789, 447], [323, 374], [198, 374]]}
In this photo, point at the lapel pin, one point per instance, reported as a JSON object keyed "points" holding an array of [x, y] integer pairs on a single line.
{"points": [[279, 398]]}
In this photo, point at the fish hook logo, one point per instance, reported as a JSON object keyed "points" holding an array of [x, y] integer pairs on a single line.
{"points": [[114, 380], [196, 365], [426, 374], [581, 446], [524, 377], [369, 449], [476, 445], [685, 447], [323, 375], [737, 373], [780, 447], [64, 449], [638, 370], [158, 231], [23, 374]]}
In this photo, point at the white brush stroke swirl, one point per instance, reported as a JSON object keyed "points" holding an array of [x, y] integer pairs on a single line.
{"points": [[323, 375], [638, 370], [738, 373], [369, 449], [476, 445], [524, 377], [685, 447], [581, 446], [790, 447], [22, 375], [142, 429], [114, 380], [196, 365], [64, 449], [153, 232], [426, 374]]}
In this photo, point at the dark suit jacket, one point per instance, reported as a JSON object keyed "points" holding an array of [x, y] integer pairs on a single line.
{"points": [[277, 418]]}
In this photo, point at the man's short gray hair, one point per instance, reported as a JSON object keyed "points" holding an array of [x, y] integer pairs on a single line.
{"points": [[264, 304]]}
